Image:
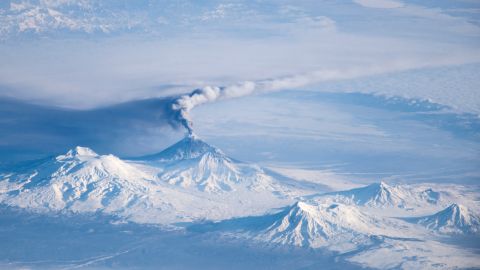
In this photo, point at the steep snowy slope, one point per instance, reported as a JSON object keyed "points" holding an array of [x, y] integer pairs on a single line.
{"points": [[192, 163], [380, 195], [336, 226], [78, 180], [191, 146], [82, 181], [455, 219], [194, 184]]}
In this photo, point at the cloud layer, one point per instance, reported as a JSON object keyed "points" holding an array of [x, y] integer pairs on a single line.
{"points": [[62, 56]]}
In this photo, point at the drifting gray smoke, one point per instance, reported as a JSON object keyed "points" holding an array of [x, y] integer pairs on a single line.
{"points": [[184, 104]]}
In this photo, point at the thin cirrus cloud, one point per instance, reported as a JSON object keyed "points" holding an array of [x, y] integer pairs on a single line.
{"points": [[379, 3], [133, 50]]}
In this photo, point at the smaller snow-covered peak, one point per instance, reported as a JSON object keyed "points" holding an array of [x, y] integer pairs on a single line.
{"points": [[382, 185], [315, 225], [379, 187], [455, 219], [376, 194], [384, 195], [304, 207]]}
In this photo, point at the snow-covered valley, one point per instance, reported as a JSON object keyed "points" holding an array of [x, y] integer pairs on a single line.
{"points": [[193, 189]]}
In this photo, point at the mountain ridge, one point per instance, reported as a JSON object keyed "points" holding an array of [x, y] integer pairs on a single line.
{"points": [[383, 195], [455, 219]]}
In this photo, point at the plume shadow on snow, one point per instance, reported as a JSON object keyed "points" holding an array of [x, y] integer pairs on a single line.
{"points": [[30, 131]]}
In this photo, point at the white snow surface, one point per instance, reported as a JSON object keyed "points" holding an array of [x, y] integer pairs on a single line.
{"points": [[192, 163], [340, 227], [193, 184], [383, 195], [455, 219]]}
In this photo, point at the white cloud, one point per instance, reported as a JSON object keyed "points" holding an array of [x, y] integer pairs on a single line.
{"points": [[442, 19], [437, 16], [379, 3], [318, 22], [295, 44], [218, 13]]}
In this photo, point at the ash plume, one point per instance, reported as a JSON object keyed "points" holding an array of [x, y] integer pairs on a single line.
{"points": [[182, 105]]}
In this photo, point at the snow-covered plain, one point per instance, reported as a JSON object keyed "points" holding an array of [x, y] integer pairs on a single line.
{"points": [[192, 191]]}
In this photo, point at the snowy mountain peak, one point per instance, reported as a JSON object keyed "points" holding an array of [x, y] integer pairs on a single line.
{"points": [[78, 152], [383, 195], [302, 209], [455, 219], [81, 151], [193, 163], [303, 206], [376, 194], [79, 180], [190, 147], [381, 192], [380, 187], [311, 225]]}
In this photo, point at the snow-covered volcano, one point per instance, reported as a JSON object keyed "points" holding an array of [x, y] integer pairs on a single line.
{"points": [[192, 163], [164, 190], [337, 226], [455, 219], [78, 180], [190, 147], [192, 182], [381, 195]]}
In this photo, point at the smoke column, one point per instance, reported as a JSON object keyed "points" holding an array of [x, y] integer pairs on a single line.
{"points": [[184, 104]]}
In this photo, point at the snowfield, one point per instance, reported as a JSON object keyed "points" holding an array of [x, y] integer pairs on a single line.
{"points": [[194, 188]]}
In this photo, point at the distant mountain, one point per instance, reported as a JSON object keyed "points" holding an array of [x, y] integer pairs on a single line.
{"points": [[191, 162], [338, 226], [384, 195], [455, 219]]}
